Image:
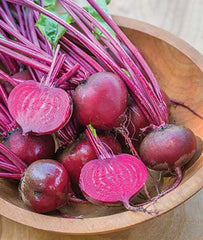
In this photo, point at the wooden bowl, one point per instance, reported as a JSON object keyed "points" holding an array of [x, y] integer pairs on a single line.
{"points": [[178, 68]]}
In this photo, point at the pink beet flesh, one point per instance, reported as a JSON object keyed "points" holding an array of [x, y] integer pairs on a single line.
{"points": [[101, 101], [44, 186], [30, 148], [38, 108], [113, 180]]}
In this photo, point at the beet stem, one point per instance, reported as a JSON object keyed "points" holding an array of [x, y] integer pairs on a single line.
{"points": [[187, 107], [11, 175], [176, 183], [47, 81], [128, 141], [25, 60], [20, 20], [58, 66], [97, 144], [7, 78], [68, 75], [8, 167], [163, 193], [138, 208], [13, 158], [155, 183]]}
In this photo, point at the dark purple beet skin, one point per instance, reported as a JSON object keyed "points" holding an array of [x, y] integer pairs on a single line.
{"points": [[168, 147], [44, 186], [137, 121], [101, 101], [31, 147], [23, 75], [76, 155]]}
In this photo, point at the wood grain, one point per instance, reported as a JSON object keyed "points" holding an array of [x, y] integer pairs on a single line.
{"points": [[180, 17], [185, 222]]}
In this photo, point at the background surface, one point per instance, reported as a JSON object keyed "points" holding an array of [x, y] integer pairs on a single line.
{"points": [[184, 18]]}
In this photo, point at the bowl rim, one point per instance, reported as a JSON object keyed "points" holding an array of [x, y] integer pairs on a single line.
{"points": [[127, 219]]}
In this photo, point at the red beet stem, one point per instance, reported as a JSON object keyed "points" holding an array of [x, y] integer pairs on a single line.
{"points": [[25, 50], [7, 78], [11, 175], [97, 144], [20, 37], [20, 20], [3, 95], [8, 13], [122, 131], [47, 81], [65, 77], [185, 106], [175, 184], [129, 207], [31, 23], [7, 19], [25, 60], [83, 54], [13, 158], [8, 167], [59, 64]]}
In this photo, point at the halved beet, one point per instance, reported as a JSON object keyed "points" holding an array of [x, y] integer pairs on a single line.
{"points": [[38, 108], [113, 180], [77, 154]]}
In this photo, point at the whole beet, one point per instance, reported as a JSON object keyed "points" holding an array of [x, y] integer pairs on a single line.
{"points": [[44, 186], [101, 101], [30, 148], [168, 147]]}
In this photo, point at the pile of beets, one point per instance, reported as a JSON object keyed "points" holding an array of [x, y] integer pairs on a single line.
{"points": [[85, 120]]}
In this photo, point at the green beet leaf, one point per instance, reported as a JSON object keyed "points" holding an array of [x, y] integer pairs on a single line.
{"points": [[51, 29]]}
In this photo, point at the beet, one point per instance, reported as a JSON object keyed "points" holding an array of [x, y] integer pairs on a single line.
{"points": [[38, 108], [76, 155], [44, 186], [168, 147], [30, 147], [113, 180], [23, 75], [101, 101], [137, 121]]}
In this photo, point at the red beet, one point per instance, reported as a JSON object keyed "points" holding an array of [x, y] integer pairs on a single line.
{"points": [[113, 180], [23, 75], [44, 186], [101, 101], [76, 155], [30, 147], [168, 147], [38, 108]]}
